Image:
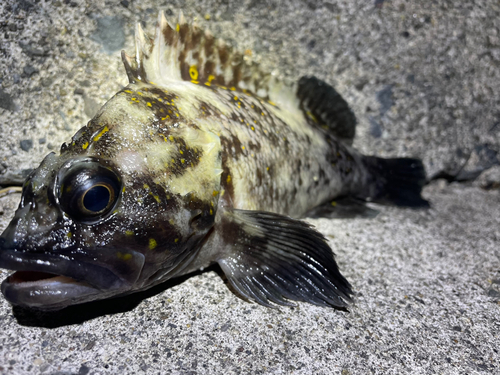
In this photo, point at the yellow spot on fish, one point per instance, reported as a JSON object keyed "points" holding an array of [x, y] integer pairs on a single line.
{"points": [[194, 81], [333, 203], [242, 147], [69, 234], [193, 72], [140, 93], [211, 77], [129, 232], [177, 27], [232, 89], [262, 113], [123, 256], [145, 186], [128, 91], [267, 168], [176, 240], [152, 243], [172, 221], [252, 128], [311, 116], [101, 133], [160, 100], [85, 145], [215, 192], [235, 98], [171, 137], [156, 197], [149, 104], [183, 161], [123, 189], [270, 102], [211, 212], [181, 152], [228, 180]]}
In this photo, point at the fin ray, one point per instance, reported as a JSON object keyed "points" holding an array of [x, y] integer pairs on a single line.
{"points": [[271, 258]]}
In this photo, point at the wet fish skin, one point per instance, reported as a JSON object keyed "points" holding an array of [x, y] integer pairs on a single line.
{"points": [[186, 167]]}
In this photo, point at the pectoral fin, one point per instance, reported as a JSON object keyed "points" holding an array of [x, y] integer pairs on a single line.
{"points": [[271, 258]]}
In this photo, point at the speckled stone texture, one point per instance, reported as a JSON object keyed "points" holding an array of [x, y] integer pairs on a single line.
{"points": [[423, 80]]}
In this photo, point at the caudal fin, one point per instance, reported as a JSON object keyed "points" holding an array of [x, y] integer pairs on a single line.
{"points": [[397, 181]]}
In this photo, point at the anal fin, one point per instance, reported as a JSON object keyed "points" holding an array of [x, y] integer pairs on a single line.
{"points": [[324, 105], [273, 259], [343, 208]]}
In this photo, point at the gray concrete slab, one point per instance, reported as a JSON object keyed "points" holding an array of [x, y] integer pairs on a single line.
{"points": [[423, 80]]}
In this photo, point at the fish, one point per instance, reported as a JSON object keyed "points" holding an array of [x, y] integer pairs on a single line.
{"points": [[203, 158]]}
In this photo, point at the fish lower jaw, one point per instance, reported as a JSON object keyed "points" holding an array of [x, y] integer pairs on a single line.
{"points": [[45, 291], [47, 281], [29, 279]]}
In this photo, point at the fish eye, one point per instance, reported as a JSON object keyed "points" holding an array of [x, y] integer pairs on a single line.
{"points": [[97, 198], [89, 192]]}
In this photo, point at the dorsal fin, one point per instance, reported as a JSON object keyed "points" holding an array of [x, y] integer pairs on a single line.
{"points": [[324, 105], [185, 52]]}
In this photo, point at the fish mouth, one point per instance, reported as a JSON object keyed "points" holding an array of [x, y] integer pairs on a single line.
{"points": [[52, 282]]}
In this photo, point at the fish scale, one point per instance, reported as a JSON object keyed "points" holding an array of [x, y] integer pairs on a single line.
{"points": [[202, 158]]}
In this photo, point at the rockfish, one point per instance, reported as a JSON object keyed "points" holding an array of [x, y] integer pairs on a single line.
{"points": [[203, 158]]}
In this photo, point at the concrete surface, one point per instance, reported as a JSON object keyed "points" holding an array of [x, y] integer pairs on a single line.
{"points": [[423, 80]]}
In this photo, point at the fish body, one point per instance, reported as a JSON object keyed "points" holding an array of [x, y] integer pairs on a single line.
{"points": [[201, 159]]}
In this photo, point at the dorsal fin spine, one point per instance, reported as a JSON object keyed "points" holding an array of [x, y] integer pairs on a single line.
{"points": [[185, 52]]}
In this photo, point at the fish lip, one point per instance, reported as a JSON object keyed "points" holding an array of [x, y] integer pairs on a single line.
{"points": [[73, 282]]}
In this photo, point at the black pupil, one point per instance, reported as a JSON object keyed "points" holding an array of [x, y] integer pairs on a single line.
{"points": [[96, 199]]}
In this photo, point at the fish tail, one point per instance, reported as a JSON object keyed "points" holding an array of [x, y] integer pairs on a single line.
{"points": [[396, 181]]}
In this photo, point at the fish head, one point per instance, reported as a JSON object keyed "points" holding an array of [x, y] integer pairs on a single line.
{"points": [[124, 206]]}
